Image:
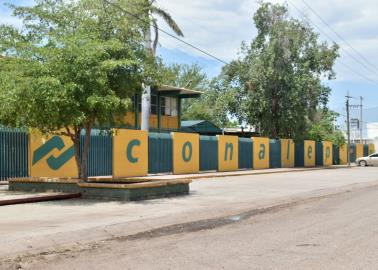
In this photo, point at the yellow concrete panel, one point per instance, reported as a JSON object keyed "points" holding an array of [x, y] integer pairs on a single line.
{"points": [[228, 153], [327, 154], [153, 121], [129, 119], [164, 122], [185, 153], [287, 153], [260, 153], [309, 153], [130, 153], [51, 156], [371, 148], [343, 152], [173, 122], [359, 150]]}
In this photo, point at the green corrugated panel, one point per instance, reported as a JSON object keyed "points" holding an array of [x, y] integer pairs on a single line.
{"points": [[335, 154], [208, 153], [13, 153], [318, 153], [352, 153], [160, 153], [366, 150], [100, 158], [245, 153], [299, 154], [275, 154]]}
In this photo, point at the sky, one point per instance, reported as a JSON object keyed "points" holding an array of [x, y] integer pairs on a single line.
{"points": [[219, 27]]}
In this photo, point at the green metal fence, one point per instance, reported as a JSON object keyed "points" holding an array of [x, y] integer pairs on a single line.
{"points": [[245, 153], [160, 152], [100, 158], [352, 153], [366, 150], [275, 154], [318, 153], [335, 155], [13, 153], [299, 154], [208, 153]]}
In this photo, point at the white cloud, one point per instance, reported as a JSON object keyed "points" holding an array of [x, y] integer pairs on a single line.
{"points": [[7, 19], [219, 26]]}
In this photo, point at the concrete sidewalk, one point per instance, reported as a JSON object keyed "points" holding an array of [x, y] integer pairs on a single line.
{"points": [[40, 226]]}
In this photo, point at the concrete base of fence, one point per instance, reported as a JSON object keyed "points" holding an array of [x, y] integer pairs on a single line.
{"points": [[134, 192], [104, 191], [44, 185]]}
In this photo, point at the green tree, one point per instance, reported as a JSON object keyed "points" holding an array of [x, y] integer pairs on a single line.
{"points": [[184, 75], [74, 64], [323, 128], [279, 75]]}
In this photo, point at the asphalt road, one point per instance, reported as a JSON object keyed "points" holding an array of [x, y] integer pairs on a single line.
{"points": [[334, 232], [328, 220]]}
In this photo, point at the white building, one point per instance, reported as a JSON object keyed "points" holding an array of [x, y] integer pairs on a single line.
{"points": [[372, 133]]}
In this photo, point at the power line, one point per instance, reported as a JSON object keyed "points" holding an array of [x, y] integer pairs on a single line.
{"points": [[339, 36], [344, 115], [321, 30], [358, 73], [372, 108], [167, 33]]}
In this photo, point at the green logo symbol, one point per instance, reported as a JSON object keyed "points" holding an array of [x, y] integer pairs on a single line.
{"points": [[262, 151], [55, 163], [188, 157], [328, 152], [309, 152], [129, 151], [229, 146], [288, 150]]}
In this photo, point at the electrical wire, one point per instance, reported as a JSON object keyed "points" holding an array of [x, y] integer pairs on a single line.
{"points": [[167, 33], [329, 37], [339, 36]]}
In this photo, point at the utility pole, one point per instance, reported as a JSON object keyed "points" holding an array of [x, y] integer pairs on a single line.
{"points": [[361, 123], [348, 126], [146, 93]]}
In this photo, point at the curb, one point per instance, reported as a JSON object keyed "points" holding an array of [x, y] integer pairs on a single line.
{"points": [[40, 199]]}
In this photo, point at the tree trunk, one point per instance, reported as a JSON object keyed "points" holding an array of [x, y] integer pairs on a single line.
{"points": [[76, 141], [84, 158], [146, 95]]}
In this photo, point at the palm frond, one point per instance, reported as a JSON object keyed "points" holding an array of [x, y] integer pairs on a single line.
{"points": [[168, 19]]}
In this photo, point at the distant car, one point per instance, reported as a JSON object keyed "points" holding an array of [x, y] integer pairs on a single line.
{"points": [[371, 160]]}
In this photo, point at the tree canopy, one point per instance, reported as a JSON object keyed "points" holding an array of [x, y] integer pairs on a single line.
{"points": [[323, 128], [278, 76], [72, 65]]}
